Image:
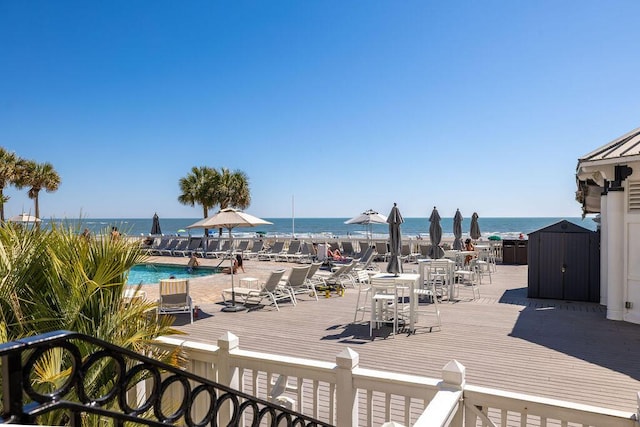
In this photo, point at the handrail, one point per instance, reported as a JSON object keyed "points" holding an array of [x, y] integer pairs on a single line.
{"points": [[23, 404]]}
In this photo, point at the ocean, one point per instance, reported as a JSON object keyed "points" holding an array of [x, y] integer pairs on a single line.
{"points": [[326, 227]]}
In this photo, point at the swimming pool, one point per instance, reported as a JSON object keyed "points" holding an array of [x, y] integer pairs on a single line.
{"points": [[152, 273]]}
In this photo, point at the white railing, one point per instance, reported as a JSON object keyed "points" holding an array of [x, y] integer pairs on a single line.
{"points": [[345, 395]]}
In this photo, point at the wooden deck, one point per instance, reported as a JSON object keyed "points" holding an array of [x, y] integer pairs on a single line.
{"points": [[557, 349]]}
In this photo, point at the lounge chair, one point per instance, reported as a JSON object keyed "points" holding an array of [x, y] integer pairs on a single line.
{"points": [[174, 297], [407, 255], [156, 249], [297, 283], [223, 252], [180, 248], [347, 249], [272, 253], [270, 290], [241, 248], [169, 248], [307, 253], [256, 249], [341, 276], [192, 247], [383, 251], [290, 253]]}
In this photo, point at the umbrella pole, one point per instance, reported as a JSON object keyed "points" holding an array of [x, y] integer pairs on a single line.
{"points": [[233, 307]]}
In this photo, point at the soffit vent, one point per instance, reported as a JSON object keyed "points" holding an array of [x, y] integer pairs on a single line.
{"points": [[634, 195]]}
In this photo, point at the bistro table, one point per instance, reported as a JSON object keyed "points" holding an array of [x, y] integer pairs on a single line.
{"points": [[403, 279]]}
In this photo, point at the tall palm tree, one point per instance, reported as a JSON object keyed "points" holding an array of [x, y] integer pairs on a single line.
{"points": [[38, 176], [8, 169], [198, 188], [232, 189]]}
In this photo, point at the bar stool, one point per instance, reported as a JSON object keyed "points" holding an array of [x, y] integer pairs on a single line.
{"points": [[363, 304], [383, 305]]}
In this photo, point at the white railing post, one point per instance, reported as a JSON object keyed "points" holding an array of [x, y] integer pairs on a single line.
{"points": [[227, 372], [638, 407], [446, 408], [346, 394]]}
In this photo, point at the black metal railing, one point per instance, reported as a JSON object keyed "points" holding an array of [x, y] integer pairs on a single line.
{"points": [[25, 401]]}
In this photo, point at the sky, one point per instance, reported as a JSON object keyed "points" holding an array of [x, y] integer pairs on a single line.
{"points": [[330, 107]]}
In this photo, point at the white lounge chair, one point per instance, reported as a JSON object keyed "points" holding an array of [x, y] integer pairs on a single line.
{"points": [[271, 290], [174, 297]]}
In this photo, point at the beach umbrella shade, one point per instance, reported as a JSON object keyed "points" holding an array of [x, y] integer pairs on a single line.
{"points": [[395, 240], [474, 231], [24, 218], [230, 219], [435, 234], [368, 218], [457, 231], [155, 227]]}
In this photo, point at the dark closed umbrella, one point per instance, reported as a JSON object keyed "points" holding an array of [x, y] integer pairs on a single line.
{"points": [[155, 227], [395, 240], [474, 231], [435, 234], [457, 231]]}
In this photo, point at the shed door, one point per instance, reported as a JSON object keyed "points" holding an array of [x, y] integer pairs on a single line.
{"points": [[576, 277], [550, 265]]}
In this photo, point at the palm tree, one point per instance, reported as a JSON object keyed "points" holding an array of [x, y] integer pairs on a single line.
{"points": [[8, 169], [38, 176], [198, 188], [232, 189], [57, 280]]}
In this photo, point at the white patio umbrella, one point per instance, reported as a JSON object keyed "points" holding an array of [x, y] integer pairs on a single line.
{"points": [[368, 218], [24, 218], [230, 219]]}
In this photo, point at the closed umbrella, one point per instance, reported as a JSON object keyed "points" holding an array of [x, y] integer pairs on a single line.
{"points": [[230, 219], [474, 231], [368, 218], [435, 234], [395, 240], [457, 231], [155, 227]]}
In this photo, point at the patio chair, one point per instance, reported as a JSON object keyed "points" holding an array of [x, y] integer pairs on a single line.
{"points": [[212, 246], [307, 253], [297, 283], [363, 303], [174, 297], [180, 248], [223, 252], [161, 245], [256, 249], [313, 278], [469, 275], [341, 276], [169, 248], [241, 248], [347, 249], [272, 253], [406, 254], [270, 290], [292, 251], [382, 251], [192, 246]]}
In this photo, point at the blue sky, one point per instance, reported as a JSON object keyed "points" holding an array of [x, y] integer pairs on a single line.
{"points": [[479, 105]]}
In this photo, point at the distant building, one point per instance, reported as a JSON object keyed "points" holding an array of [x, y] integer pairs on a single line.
{"points": [[608, 182]]}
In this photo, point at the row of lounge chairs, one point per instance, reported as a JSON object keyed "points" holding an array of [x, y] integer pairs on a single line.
{"points": [[302, 280]]}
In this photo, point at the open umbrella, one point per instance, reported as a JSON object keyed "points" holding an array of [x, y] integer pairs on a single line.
{"points": [[395, 240], [230, 219], [155, 227], [457, 231], [474, 231], [435, 234], [24, 218], [368, 218]]}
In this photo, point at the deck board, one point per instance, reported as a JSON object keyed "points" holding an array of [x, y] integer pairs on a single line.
{"points": [[557, 349]]}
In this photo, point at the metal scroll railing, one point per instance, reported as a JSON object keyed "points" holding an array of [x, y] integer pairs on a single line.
{"points": [[140, 391]]}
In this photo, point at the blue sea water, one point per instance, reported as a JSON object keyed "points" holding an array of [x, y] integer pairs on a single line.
{"points": [[327, 227]]}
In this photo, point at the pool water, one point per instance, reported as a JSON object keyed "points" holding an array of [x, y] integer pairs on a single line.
{"points": [[152, 273]]}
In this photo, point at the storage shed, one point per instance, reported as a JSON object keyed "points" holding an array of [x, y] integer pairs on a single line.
{"points": [[564, 263]]}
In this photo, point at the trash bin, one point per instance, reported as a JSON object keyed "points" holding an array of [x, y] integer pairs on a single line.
{"points": [[521, 251], [509, 251]]}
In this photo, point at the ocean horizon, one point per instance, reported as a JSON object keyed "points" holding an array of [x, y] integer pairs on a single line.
{"points": [[505, 227]]}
